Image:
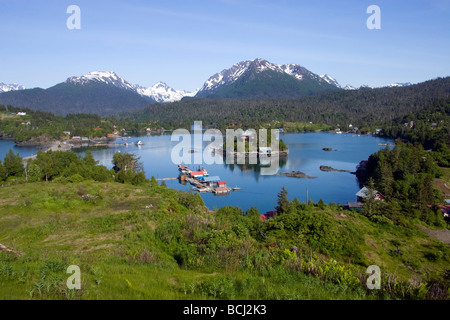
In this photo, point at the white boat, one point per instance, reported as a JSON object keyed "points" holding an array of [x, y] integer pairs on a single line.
{"points": [[139, 143]]}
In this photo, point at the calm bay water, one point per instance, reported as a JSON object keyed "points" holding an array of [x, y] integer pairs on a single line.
{"points": [[5, 145], [305, 154]]}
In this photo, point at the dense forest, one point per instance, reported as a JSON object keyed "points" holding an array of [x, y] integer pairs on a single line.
{"points": [[404, 176], [429, 127], [365, 108]]}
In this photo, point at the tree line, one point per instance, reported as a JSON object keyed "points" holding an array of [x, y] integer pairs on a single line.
{"points": [[67, 166], [365, 108], [40, 123]]}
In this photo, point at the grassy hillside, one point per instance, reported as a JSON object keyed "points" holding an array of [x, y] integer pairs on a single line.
{"points": [[151, 242]]}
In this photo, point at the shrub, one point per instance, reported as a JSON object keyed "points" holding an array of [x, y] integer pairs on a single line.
{"points": [[75, 178]]}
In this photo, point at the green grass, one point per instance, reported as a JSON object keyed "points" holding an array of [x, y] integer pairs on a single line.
{"points": [[128, 251]]}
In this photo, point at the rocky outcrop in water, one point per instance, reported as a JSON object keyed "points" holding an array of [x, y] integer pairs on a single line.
{"points": [[330, 169], [297, 174]]}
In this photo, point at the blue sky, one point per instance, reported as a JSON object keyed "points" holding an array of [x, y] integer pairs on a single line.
{"points": [[184, 42]]}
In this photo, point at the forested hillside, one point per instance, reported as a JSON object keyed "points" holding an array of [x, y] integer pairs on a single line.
{"points": [[364, 107]]}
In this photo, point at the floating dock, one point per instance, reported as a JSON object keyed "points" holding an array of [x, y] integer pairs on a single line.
{"points": [[203, 182]]}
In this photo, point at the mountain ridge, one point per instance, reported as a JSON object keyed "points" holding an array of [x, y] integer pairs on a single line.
{"points": [[260, 78], [104, 92]]}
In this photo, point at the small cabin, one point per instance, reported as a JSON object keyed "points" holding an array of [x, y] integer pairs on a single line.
{"points": [[362, 165], [211, 181], [355, 205], [364, 194], [222, 184], [267, 215]]}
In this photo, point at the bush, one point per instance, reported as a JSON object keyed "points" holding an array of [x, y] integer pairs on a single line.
{"points": [[381, 219], [75, 178]]}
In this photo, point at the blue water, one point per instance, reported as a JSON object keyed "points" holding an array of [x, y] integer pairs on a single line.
{"points": [[305, 154], [5, 145]]}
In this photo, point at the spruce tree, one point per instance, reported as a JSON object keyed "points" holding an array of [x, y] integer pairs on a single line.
{"points": [[283, 202]]}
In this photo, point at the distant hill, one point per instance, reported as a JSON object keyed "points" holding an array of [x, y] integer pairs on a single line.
{"points": [[67, 98], [362, 107]]}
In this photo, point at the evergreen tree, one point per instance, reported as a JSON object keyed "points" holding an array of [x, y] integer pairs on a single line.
{"points": [[321, 204], [2, 172], [89, 160], [13, 164], [425, 197], [127, 162], [283, 202], [386, 179], [369, 202]]}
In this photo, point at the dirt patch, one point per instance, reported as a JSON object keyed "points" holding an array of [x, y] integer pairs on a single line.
{"points": [[102, 246], [341, 216], [152, 225], [441, 235], [444, 186], [9, 249], [371, 243]]}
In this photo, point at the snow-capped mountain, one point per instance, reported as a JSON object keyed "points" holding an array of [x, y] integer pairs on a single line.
{"points": [[330, 80], [109, 78], [349, 87], [160, 92], [263, 72], [10, 87]]}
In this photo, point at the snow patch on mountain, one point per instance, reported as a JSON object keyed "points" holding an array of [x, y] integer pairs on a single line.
{"points": [[330, 80], [10, 87], [110, 78], [399, 84]]}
